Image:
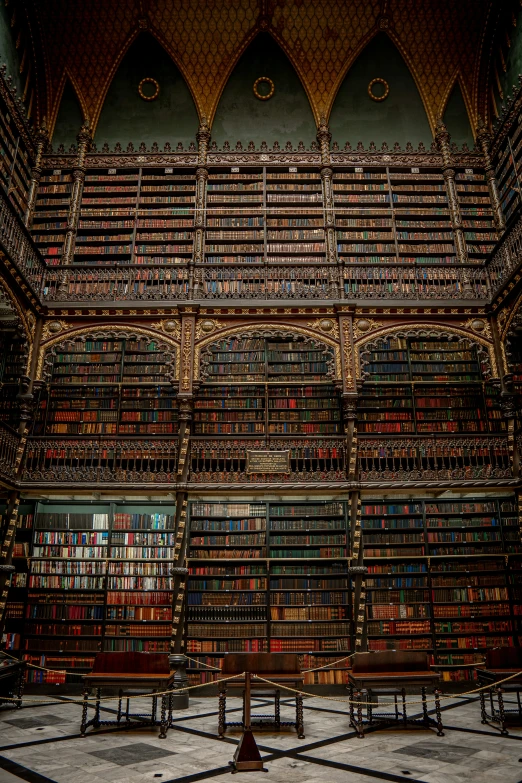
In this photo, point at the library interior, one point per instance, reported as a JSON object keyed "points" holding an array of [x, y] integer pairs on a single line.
{"points": [[261, 391]]}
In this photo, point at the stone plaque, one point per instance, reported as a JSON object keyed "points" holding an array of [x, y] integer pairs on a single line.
{"points": [[268, 462]]}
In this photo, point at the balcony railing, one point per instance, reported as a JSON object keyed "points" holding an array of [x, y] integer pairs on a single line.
{"points": [[225, 462], [17, 244], [506, 258], [78, 460], [434, 458], [9, 443]]}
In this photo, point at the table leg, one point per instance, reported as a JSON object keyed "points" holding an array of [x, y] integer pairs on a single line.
{"points": [[360, 731], [502, 712], [440, 727], [222, 711], [96, 721], [120, 697], [171, 701], [425, 716], [483, 714], [164, 725], [85, 707], [154, 712], [21, 684], [369, 708], [404, 715], [277, 710], [299, 718]]}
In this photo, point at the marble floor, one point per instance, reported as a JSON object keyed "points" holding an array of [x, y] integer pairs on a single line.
{"points": [[40, 743]]}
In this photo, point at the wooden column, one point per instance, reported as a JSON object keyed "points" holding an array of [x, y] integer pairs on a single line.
{"points": [[198, 255], [7, 540], [442, 138], [349, 394], [41, 146], [484, 144], [324, 137], [84, 139], [508, 398], [357, 572]]}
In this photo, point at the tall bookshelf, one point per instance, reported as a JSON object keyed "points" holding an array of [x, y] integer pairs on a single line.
{"points": [[18, 583], [109, 386], [277, 581], [99, 580], [507, 165], [51, 212], [427, 385], [13, 361], [268, 388], [15, 164], [438, 577]]}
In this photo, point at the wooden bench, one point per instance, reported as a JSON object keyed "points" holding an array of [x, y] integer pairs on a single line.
{"points": [[149, 673], [12, 673], [280, 668], [391, 673], [499, 664]]}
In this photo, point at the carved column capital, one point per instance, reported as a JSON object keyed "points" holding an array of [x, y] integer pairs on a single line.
{"points": [[203, 139], [324, 138]]}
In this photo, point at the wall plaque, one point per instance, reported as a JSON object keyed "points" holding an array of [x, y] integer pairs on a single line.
{"points": [[268, 462]]}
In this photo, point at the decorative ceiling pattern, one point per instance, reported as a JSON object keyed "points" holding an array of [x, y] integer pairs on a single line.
{"points": [[440, 40]]}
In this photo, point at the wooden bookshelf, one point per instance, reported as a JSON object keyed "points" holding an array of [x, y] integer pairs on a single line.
{"points": [[427, 385], [15, 610], [13, 361], [438, 577], [109, 387], [277, 581], [99, 581], [15, 164]]}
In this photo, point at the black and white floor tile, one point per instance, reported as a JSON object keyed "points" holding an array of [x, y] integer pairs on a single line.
{"points": [[41, 744]]}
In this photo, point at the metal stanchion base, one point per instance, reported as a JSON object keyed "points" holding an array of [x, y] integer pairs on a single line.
{"points": [[247, 757]]}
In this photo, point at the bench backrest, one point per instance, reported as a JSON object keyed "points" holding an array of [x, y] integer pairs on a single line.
{"points": [[261, 663], [389, 661]]}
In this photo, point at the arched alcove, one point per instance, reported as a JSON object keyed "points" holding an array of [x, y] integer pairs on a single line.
{"points": [[399, 117], [286, 116], [456, 118], [69, 119], [126, 116]]}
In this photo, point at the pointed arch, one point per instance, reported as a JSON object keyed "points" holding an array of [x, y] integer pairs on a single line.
{"points": [[287, 116], [424, 330], [457, 84], [173, 116], [66, 81], [266, 330], [387, 37], [154, 332]]}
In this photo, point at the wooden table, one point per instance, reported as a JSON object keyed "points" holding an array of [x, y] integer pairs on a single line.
{"points": [[499, 664], [149, 673], [392, 674], [280, 668]]}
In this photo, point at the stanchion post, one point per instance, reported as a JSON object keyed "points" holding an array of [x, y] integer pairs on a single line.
{"points": [[247, 757]]}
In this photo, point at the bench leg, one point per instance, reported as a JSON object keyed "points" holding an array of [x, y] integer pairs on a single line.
{"points": [[21, 684], [369, 708], [425, 716], [120, 697], [299, 719], [404, 715], [440, 727], [222, 711], [277, 710]]}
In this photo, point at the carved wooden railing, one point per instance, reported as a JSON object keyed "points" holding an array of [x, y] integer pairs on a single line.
{"points": [[434, 458], [86, 459], [265, 282], [9, 444], [506, 259], [125, 283], [17, 244], [225, 461]]}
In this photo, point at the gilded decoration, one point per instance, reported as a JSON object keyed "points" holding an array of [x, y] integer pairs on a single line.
{"points": [[425, 330], [326, 325], [439, 41], [106, 329], [364, 325], [267, 330], [479, 326]]}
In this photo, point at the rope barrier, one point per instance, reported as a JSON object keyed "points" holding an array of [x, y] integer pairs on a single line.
{"points": [[379, 704]]}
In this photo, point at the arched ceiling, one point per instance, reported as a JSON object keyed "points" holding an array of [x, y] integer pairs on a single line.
{"points": [[441, 40]]}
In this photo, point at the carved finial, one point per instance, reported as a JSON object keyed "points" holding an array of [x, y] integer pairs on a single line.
{"points": [[85, 134]]}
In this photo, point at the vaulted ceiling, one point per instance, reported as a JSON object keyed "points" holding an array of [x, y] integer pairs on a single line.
{"points": [[85, 40]]}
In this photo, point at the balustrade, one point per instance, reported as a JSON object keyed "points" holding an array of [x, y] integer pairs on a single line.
{"points": [[9, 444], [88, 460], [16, 243]]}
